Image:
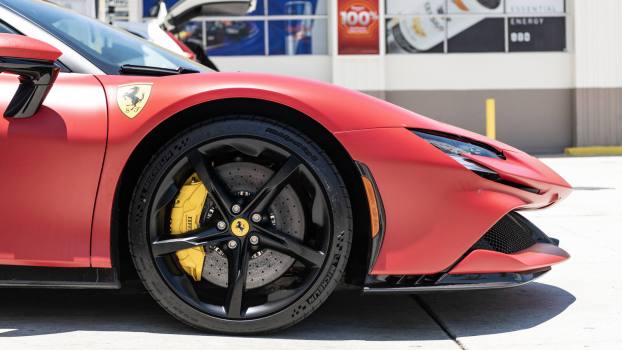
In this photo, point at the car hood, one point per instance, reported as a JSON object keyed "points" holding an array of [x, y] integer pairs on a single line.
{"points": [[338, 109], [185, 10]]}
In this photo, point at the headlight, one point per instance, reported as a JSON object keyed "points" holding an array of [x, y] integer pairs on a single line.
{"points": [[456, 148]]}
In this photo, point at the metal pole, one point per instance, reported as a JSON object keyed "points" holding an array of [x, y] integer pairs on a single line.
{"points": [[491, 123]]}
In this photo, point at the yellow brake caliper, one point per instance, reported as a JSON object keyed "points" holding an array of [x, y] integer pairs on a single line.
{"points": [[185, 217]]}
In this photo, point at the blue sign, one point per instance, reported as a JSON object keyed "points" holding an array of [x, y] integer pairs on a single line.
{"points": [[248, 37]]}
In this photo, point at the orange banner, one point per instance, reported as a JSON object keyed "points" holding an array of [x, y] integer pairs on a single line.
{"points": [[358, 23]]}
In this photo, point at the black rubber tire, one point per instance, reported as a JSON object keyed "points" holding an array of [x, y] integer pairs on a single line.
{"points": [[318, 162]]}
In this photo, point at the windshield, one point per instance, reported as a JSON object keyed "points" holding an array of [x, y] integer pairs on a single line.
{"points": [[106, 47]]}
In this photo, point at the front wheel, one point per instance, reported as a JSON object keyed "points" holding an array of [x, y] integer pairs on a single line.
{"points": [[240, 225]]}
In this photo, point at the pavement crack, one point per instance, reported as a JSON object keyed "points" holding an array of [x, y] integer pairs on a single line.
{"points": [[436, 318]]}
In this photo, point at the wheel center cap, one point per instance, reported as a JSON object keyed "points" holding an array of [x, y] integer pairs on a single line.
{"points": [[240, 227]]}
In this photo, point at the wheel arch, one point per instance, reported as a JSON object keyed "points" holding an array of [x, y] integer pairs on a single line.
{"points": [[357, 266]]}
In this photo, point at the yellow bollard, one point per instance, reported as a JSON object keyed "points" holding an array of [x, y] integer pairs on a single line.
{"points": [[491, 127]]}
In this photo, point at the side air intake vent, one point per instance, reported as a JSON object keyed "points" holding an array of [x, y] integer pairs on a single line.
{"points": [[511, 234]]}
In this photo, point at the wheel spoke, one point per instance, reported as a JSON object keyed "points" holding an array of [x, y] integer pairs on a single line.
{"points": [[182, 282], [189, 240], [273, 187], [237, 260], [217, 190], [167, 196], [290, 246]]}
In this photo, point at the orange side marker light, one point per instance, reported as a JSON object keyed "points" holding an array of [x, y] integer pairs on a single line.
{"points": [[373, 206]]}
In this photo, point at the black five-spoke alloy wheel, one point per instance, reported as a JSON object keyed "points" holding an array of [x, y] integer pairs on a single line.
{"points": [[240, 225]]}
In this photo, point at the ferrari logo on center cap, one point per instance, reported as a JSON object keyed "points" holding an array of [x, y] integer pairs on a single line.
{"points": [[132, 98], [240, 227]]}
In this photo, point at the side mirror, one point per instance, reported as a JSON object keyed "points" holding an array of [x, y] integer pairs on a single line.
{"points": [[33, 61]]}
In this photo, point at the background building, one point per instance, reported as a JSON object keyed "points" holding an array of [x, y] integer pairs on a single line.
{"points": [[553, 66]]}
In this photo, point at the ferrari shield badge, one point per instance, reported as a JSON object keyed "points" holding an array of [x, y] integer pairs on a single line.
{"points": [[132, 98]]}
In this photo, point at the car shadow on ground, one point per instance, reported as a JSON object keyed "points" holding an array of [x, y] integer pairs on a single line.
{"points": [[345, 316]]}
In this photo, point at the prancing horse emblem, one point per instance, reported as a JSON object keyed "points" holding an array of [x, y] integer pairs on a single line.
{"points": [[132, 98], [240, 227]]}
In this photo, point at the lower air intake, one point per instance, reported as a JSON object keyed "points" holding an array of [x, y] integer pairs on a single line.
{"points": [[509, 235]]}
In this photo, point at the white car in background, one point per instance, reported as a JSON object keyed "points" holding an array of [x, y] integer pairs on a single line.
{"points": [[161, 28]]}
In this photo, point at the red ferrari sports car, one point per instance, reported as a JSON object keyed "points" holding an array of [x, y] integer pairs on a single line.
{"points": [[241, 200]]}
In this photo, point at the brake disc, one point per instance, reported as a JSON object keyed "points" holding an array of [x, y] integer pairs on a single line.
{"points": [[243, 179]]}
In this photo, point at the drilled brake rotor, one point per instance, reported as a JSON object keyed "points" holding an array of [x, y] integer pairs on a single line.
{"points": [[265, 266]]}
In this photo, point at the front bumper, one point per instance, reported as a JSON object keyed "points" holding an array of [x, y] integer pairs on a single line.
{"points": [[485, 261], [415, 285], [513, 244], [436, 209], [513, 252]]}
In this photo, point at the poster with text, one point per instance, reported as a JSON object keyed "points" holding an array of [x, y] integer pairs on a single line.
{"points": [[358, 29], [537, 34], [535, 6]]}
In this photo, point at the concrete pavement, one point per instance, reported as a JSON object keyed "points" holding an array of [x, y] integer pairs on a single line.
{"points": [[576, 306], [103, 320]]}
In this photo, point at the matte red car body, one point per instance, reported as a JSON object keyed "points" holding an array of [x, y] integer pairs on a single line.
{"points": [[537, 256], [435, 209], [51, 165]]}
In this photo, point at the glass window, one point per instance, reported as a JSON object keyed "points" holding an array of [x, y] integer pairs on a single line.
{"points": [[537, 33], [420, 26], [475, 6], [297, 7], [475, 34], [276, 27], [416, 7], [192, 31], [235, 38], [535, 6], [4, 28], [298, 37], [107, 47], [150, 7], [260, 10], [413, 34], [440, 7]]}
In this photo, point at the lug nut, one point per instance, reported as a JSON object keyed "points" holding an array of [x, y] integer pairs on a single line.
{"points": [[256, 217], [232, 244], [221, 225], [236, 209], [254, 240]]}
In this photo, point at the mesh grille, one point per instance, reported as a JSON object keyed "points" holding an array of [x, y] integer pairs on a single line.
{"points": [[506, 236]]}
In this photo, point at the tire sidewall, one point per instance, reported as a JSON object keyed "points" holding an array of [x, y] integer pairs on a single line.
{"points": [[315, 159]]}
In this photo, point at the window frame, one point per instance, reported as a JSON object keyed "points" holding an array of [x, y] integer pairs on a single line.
{"points": [[501, 14], [71, 60], [12, 30], [266, 18]]}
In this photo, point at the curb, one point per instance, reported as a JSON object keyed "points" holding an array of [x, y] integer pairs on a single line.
{"points": [[594, 151]]}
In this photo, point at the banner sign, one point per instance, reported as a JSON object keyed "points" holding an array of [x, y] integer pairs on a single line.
{"points": [[415, 26], [358, 27], [537, 33], [535, 6]]}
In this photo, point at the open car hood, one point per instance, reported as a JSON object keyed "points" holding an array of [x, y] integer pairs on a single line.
{"points": [[185, 10]]}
